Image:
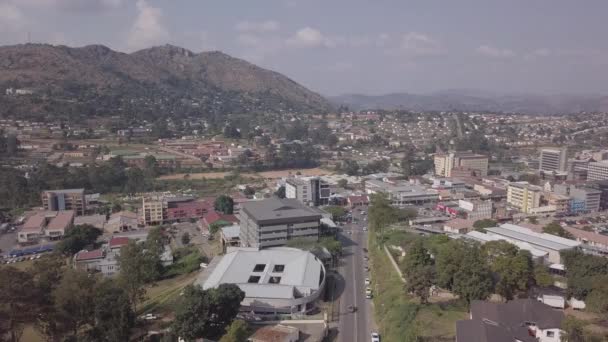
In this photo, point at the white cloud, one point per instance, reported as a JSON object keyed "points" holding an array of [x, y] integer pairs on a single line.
{"points": [[309, 37], [258, 27], [415, 44], [495, 52], [148, 29]]}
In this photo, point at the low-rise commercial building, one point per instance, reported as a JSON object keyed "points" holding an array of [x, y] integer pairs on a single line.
{"points": [[401, 193], [49, 225], [476, 209], [273, 222], [275, 280], [551, 244]]}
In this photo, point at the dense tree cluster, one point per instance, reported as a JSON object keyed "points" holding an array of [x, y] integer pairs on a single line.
{"points": [[63, 304], [17, 190]]}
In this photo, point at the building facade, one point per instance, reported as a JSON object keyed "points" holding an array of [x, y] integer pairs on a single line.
{"points": [[552, 159], [598, 171], [462, 161], [273, 222], [523, 196], [66, 199], [308, 190], [476, 210]]}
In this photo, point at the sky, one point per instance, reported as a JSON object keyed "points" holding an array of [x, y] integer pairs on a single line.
{"points": [[352, 46]]}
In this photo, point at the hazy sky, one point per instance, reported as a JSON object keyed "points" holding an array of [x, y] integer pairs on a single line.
{"points": [[343, 46]]}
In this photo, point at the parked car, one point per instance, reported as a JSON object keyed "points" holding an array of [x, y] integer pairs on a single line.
{"points": [[375, 337]]}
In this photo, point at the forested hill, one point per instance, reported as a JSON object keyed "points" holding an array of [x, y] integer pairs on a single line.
{"points": [[95, 80]]}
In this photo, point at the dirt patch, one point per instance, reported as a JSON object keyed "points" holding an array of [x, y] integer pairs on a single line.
{"points": [[265, 174]]}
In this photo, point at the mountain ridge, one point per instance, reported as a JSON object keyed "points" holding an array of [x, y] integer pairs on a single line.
{"points": [[219, 82], [476, 100]]}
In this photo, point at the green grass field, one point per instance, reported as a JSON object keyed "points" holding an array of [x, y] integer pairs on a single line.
{"points": [[400, 316]]}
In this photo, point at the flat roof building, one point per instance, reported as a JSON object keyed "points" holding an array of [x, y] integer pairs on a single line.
{"points": [[401, 193], [66, 199], [272, 222], [551, 244], [552, 159], [275, 280], [598, 171]]}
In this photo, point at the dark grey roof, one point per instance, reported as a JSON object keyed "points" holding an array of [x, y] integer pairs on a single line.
{"points": [[478, 331], [275, 210], [516, 312]]}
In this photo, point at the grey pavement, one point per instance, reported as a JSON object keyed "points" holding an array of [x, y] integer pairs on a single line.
{"points": [[356, 326]]}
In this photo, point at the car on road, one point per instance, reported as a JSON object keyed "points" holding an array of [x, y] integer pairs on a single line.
{"points": [[367, 281], [375, 337], [364, 229], [368, 293], [365, 257], [352, 308]]}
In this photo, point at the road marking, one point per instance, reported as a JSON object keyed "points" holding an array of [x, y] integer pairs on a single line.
{"points": [[355, 288]]}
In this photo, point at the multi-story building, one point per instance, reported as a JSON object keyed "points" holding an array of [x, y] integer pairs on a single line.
{"points": [[273, 222], [476, 210], [524, 196], [598, 171], [308, 190], [467, 161], [66, 199], [153, 210], [552, 159], [601, 186], [583, 199]]}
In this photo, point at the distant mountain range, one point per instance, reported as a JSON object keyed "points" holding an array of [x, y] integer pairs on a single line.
{"points": [[97, 75], [472, 100]]}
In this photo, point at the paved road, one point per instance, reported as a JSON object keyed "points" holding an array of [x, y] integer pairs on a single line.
{"points": [[354, 327]]}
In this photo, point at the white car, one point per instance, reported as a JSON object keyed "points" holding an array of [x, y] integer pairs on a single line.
{"points": [[368, 293], [364, 229], [375, 337], [367, 281]]}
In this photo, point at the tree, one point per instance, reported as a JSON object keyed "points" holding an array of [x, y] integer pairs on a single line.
{"points": [[47, 273], [12, 145], [207, 313], [18, 302], [249, 191], [236, 332], [481, 225], [448, 262], [280, 193], [542, 277], [224, 204], [381, 213], [73, 298], [350, 167], [572, 330], [583, 269], [186, 238], [335, 211], [406, 166], [343, 183], [418, 270], [136, 181], [473, 280], [514, 273], [114, 317], [136, 269], [151, 167], [77, 238], [556, 229]]}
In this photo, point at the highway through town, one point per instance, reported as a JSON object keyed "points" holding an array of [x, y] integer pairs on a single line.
{"points": [[354, 326]]}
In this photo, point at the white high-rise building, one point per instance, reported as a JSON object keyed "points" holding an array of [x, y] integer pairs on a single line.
{"points": [[598, 170], [552, 159]]}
